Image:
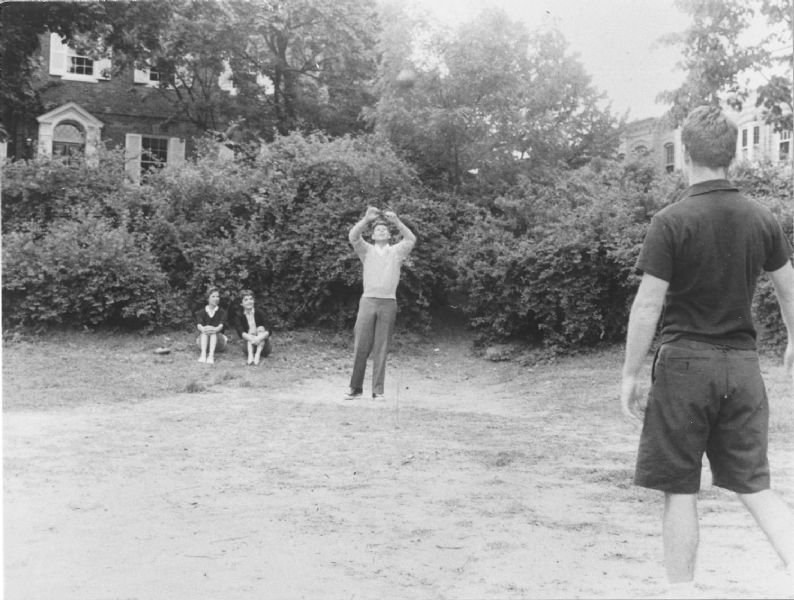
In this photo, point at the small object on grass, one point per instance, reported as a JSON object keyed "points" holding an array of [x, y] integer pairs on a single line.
{"points": [[162, 350]]}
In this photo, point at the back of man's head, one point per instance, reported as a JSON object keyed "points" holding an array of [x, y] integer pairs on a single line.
{"points": [[710, 137]]}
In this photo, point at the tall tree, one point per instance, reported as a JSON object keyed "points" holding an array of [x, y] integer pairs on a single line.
{"points": [[317, 57], [490, 97], [719, 62]]}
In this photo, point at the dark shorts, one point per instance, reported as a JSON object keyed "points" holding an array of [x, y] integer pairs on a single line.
{"points": [[710, 399]]}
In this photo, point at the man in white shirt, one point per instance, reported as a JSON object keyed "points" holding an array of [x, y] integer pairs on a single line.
{"points": [[377, 310]]}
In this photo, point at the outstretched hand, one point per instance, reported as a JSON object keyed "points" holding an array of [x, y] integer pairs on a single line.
{"points": [[631, 398]]}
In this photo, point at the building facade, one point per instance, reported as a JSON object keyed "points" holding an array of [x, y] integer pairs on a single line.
{"points": [[756, 141], [87, 105]]}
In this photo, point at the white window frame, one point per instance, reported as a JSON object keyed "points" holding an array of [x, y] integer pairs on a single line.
{"points": [[73, 112], [61, 55], [144, 76], [133, 151], [784, 138]]}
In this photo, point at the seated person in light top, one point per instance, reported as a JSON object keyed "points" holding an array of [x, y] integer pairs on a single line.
{"points": [[250, 325], [209, 322]]}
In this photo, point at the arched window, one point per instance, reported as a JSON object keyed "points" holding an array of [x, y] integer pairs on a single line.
{"points": [[641, 150], [68, 138]]}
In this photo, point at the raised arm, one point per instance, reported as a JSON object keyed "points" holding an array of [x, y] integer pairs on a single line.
{"points": [[783, 280], [407, 234], [645, 312], [358, 228]]}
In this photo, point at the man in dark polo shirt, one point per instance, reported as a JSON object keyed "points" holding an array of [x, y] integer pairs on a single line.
{"points": [[700, 261]]}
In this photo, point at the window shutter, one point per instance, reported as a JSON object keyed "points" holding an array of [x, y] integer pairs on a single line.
{"points": [[176, 151], [102, 68], [58, 55], [141, 76], [132, 156]]}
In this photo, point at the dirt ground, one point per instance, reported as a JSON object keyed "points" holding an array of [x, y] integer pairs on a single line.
{"points": [[475, 479]]}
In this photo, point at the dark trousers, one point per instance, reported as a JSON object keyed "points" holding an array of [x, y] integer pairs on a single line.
{"points": [[373, 331]]}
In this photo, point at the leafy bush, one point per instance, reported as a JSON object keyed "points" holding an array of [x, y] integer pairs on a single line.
{"points": [[771, 186], [549, 261], [82, 271], [555, 264], [52, 187], [279, 224]]}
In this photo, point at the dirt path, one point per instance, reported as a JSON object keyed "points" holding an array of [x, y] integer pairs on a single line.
{"points": [[474, 480]]}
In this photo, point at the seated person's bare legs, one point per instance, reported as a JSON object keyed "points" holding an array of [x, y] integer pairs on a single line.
{"points": [[204, 341], [213, 341]]}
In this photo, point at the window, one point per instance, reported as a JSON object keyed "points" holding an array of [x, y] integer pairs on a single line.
{"points": [[148, 76], [744, 138], [640, 150], [68, 139], [756, 135], [67, 130], [669, 157], [80, 65], [154, 153], [784, 148], [144, 153], [65, 62]]}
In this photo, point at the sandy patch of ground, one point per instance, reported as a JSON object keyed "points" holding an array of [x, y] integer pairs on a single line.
{"points": [[473, 480]]}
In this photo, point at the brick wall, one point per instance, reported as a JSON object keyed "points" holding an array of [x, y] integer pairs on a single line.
{"points": [[122, 105]]}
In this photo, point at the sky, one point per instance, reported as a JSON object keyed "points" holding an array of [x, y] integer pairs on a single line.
{"points": [[616, 41]]}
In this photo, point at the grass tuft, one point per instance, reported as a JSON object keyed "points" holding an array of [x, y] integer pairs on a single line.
{"points": [[194, 387]]}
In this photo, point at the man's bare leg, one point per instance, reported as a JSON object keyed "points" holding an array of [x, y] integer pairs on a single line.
{"points": [[680, 532], [775, 519]]}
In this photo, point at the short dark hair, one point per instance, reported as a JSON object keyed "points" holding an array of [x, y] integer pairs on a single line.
{"points": [[211, 291], [710, 137], [245, 293]]}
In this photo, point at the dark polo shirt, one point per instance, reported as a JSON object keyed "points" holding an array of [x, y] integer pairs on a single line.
{"points": [[711, 246]]}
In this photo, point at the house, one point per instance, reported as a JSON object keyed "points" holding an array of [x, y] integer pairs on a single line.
{"points": [[88, 104], [756, 140]]}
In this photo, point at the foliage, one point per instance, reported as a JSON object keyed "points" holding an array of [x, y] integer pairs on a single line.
{"points": [[717, 58], [81, 271], [491, 98], [48, 188], [555, 263], [317, 55], [279, 226], [551, 261], [295, 64], [771, 186]]}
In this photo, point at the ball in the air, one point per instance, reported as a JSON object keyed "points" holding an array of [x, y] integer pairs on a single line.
{"points": [[406, 79]]}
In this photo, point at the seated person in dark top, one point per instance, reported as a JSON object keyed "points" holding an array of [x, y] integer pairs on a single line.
{"points": [[209, 322], [250, 325]]}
